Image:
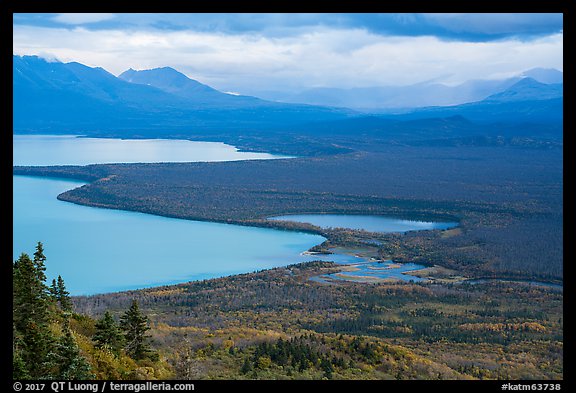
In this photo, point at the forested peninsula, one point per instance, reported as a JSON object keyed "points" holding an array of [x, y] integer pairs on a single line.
{"points": [[510, 220]]}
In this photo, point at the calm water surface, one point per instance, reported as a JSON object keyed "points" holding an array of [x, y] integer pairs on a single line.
{"points": [[376, 270], [367, 223], [100, 250], [73, 150]]}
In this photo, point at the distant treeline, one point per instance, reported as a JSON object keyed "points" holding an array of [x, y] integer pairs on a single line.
{"points": [[508, 201], [278, 324]]}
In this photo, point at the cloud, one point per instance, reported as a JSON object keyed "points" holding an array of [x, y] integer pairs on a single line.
{"points": [[343, 56], [79, 19], [499, 24], [456, 26], [49, 57]]}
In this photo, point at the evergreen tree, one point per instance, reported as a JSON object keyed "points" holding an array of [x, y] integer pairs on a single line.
{"points": [[53, 291], [33, 341], [19, 367], [39, 262], [70, 364], [37, 352], [108, 334], [135, 326], [58, 293], [63, 296], [327, 367], [29, 293]]}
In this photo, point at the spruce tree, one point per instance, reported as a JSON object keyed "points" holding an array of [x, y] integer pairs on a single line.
{"points": [[53, 291], [32, 340], [19, 366], [37, 352], [63, 296], [29, 293], [69, 363], [108, 334], [135, 326], [39, 262], [246, 366]]}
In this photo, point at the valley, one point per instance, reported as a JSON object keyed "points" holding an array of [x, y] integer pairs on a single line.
{"points": [[317, 320], [400, 223], [505, 216], [236, 327]]}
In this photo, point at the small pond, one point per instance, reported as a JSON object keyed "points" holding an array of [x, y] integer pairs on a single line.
{"points": [[365, 269], [365, 222]]}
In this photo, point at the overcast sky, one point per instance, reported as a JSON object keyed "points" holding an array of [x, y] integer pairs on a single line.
{"points": [[248, 52]]}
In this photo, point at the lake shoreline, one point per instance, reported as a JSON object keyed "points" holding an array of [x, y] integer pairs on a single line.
{"points": [[64, 174], [245, 193], [275, 249], [278, 225], [295, 226], [264, 223]]}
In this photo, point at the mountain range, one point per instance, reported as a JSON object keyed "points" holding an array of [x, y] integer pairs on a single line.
{"points": [[173, 82], [372, 99], [72, 97]]}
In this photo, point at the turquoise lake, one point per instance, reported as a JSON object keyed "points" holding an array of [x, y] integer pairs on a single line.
{"points": [[101, 250], [73, 150]]}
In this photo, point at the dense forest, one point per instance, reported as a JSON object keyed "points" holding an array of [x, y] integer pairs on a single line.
{"points": [[508, 201], [279, 324]]}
